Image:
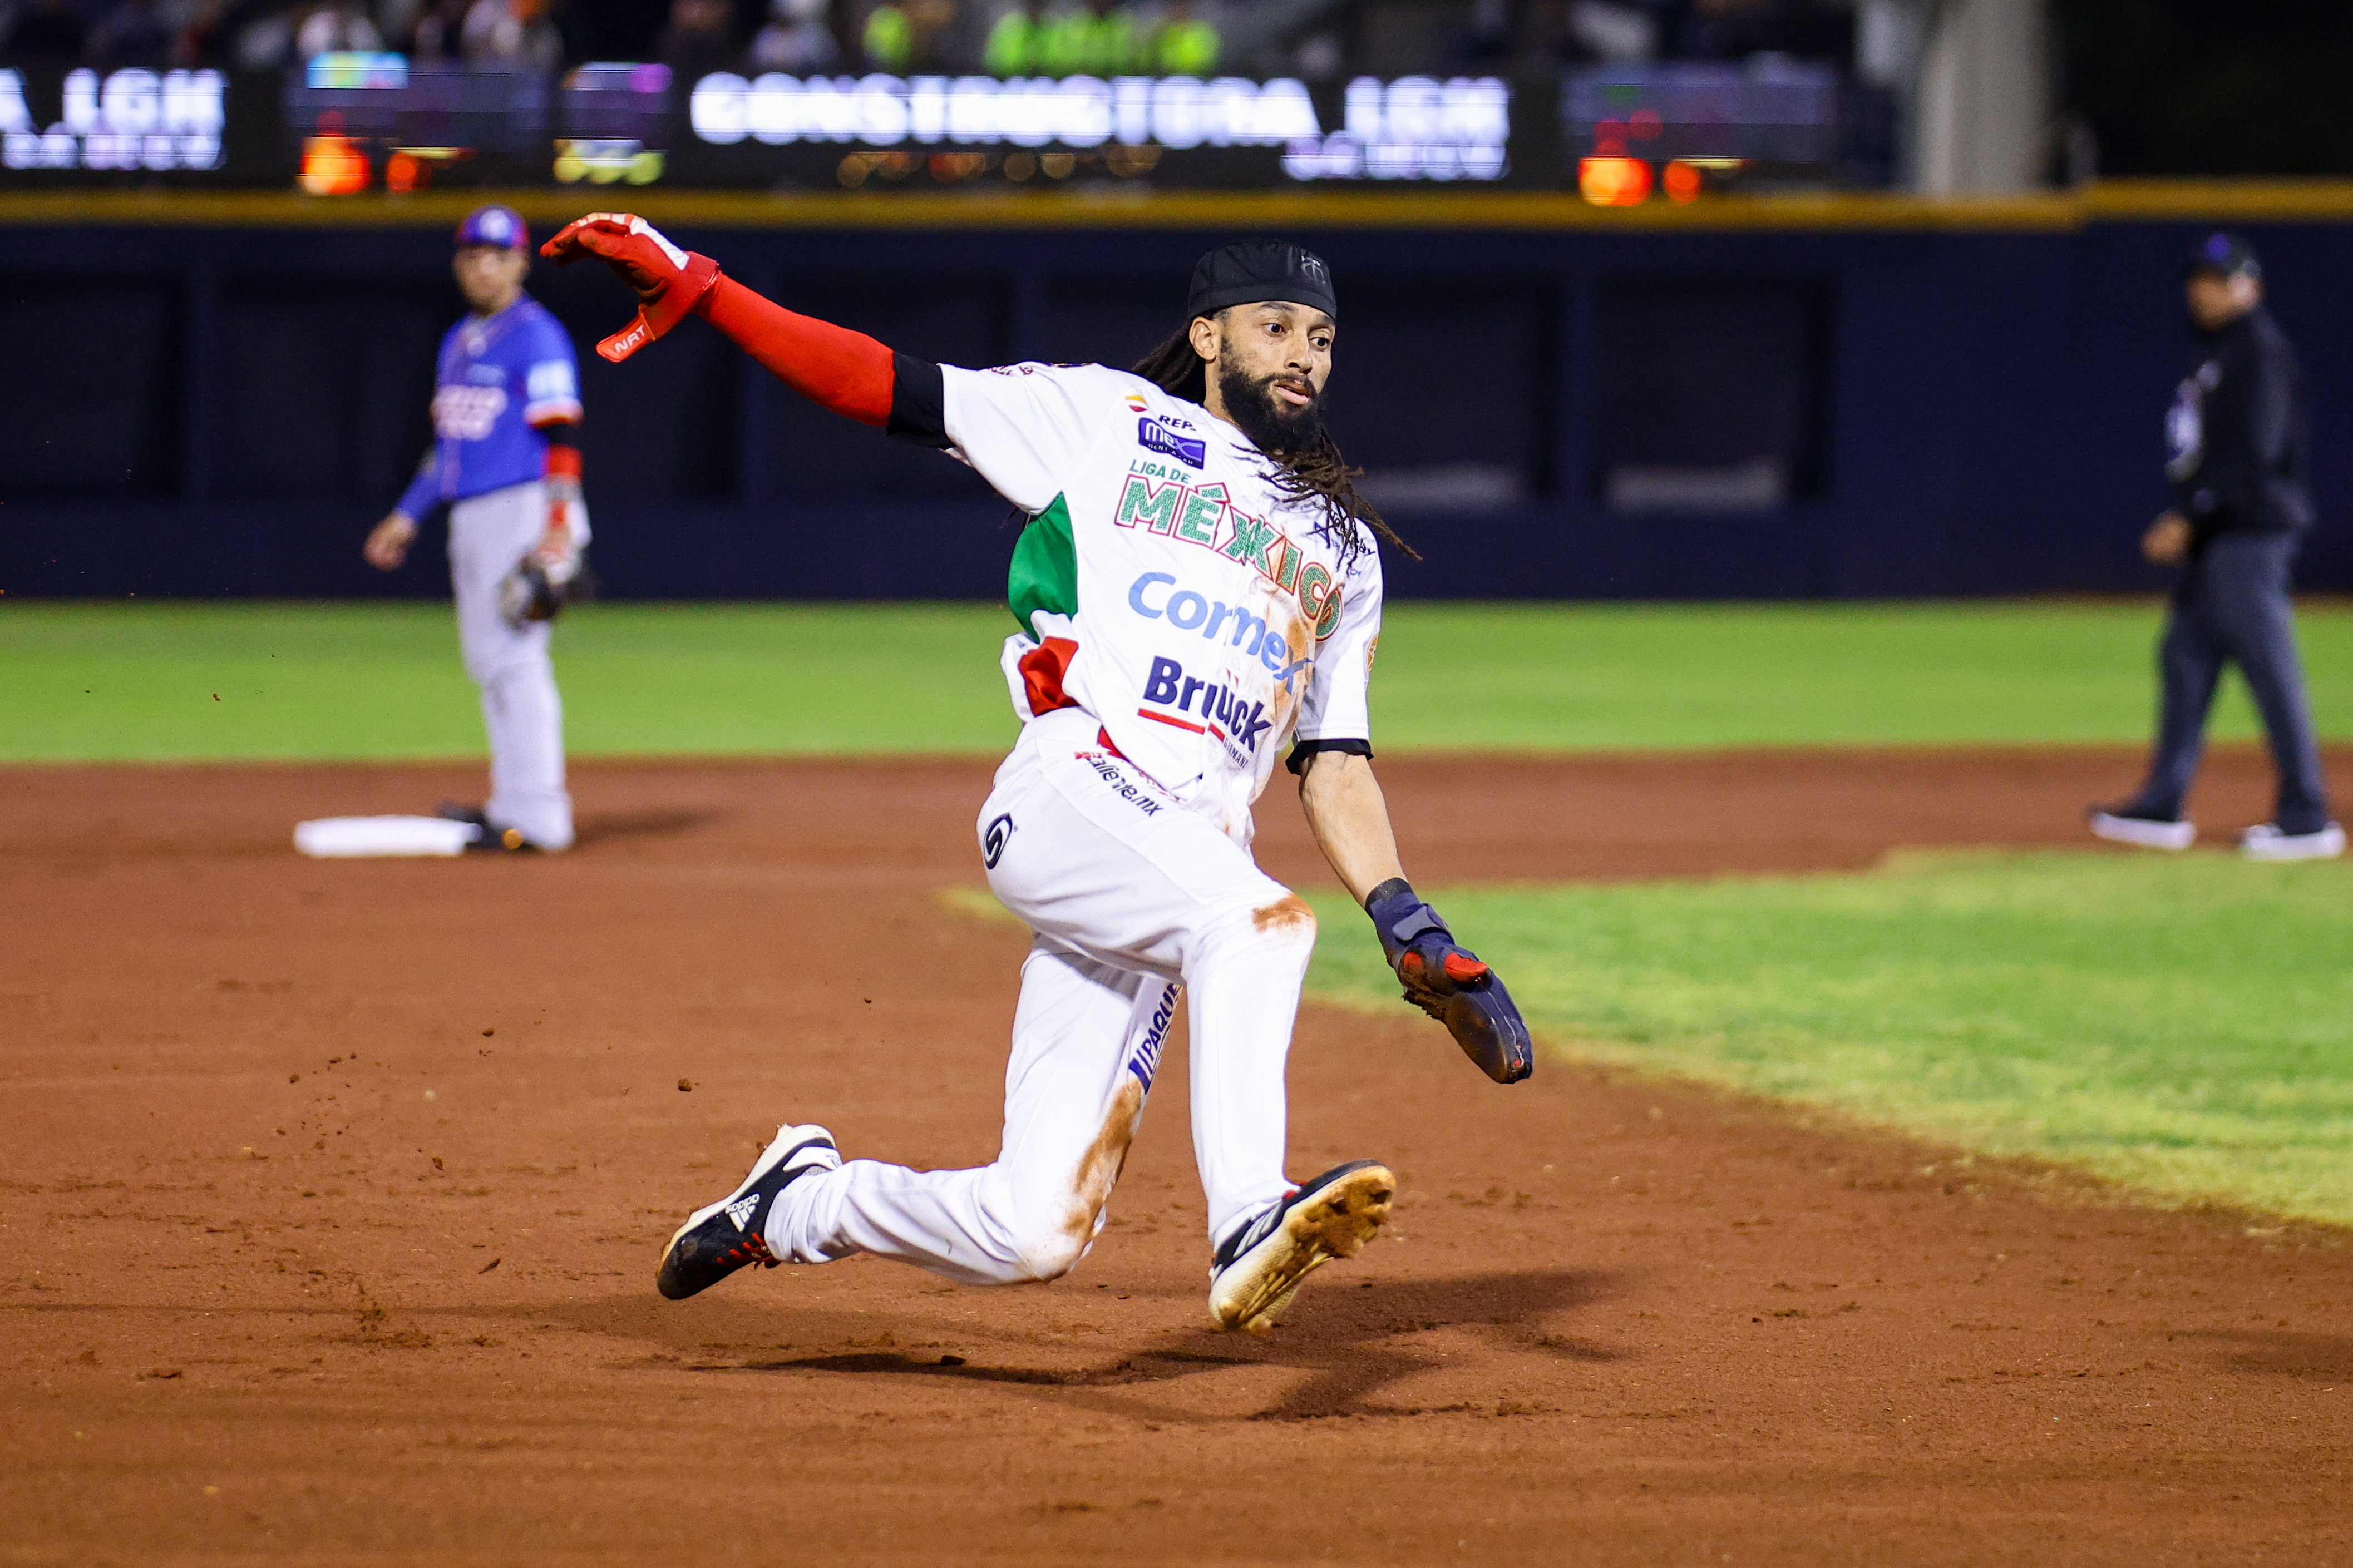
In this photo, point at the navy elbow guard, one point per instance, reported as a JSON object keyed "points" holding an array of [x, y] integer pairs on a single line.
{"points": [[1450, 982]]}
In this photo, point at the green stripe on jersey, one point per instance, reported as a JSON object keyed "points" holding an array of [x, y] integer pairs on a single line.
{"points": [[1045, 572]]}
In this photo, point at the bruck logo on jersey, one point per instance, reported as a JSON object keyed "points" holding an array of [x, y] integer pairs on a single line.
{"points": [[1221, 712], [1157, 437]]}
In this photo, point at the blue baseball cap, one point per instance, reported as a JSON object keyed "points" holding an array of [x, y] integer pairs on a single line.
{"points": [[2225, 255], [494, 225]]}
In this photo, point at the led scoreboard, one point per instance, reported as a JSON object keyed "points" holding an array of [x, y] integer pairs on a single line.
{"points": [[346, 123], [1225, 131]]}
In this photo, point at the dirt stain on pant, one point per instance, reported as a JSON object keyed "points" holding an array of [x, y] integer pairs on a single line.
{"points": [[1288, 915], [1099, 1166]]}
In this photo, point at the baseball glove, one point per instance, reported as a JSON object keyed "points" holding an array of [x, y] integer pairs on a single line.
{"points": [[536, 591], [1451, 984]]}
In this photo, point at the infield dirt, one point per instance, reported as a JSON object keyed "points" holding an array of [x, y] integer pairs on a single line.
{"points": [[333, 1193]]}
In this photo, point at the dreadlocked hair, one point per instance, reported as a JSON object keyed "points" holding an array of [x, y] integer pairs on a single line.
{"points": [[1315, 472]]}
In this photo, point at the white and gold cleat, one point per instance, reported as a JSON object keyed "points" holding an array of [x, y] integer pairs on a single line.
{"points": [[1257, 1270]]}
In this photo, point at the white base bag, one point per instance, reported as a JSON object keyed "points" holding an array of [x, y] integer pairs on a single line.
{"points": [[345, 837]]}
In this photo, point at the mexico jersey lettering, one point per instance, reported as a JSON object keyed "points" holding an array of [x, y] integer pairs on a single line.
{"points": [[1165, 587], [497, 379]]}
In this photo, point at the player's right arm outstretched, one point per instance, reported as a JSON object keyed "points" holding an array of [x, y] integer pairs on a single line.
{"points": [[845, 371]]}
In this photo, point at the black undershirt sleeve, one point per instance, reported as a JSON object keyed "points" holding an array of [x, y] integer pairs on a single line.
{"points": [[918, 401], [562, 433], [1303, 750]]}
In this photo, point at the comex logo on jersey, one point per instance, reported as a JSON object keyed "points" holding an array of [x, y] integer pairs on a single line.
{"points": [[1188, 611]]}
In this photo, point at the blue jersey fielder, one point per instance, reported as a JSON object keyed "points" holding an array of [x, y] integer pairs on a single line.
{"points": [[505, 463], [502, 378]]}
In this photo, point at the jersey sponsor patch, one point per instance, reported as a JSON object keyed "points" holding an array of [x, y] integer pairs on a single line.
{"points": [[1191, 451], [1145, 1063], [1222, 711], [1242, 629], [462, 413], [1143, 800], [551, 381], [994, 838]]}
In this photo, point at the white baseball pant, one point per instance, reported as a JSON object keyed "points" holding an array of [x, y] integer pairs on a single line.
{"points": [[521, 708], [1130, 895]]}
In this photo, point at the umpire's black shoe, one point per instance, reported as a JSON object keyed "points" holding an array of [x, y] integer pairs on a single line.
{"points": [[730, 1233], [486, 837], [1257, 1270]]}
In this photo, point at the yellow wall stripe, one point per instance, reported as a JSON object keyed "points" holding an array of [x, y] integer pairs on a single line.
{"points": [[2269, 201]]}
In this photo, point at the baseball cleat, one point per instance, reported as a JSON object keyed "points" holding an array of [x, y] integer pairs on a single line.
{"points": [[485, 836], [730, 1233], [1257, 1270], [2123, 825], [2266, 842]]}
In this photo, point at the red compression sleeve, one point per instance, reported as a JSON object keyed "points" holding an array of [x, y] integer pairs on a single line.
{"points": [[563, 461], [847, 371]]}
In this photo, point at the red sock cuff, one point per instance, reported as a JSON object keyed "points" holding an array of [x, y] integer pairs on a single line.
{"points": [[847, 371]]}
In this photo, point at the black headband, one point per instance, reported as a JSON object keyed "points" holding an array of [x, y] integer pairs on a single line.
{"points": [[1249, 271]]}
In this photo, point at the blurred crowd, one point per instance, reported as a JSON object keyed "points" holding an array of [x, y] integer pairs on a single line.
{"points": [[1316, 38], [1009, 37]]}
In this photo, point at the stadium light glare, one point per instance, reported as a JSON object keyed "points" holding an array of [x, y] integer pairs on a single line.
{"points": [[332, 166], [1614, 182]]}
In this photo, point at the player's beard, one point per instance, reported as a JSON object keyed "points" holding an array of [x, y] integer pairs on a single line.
{"points": [[1271, 427]]}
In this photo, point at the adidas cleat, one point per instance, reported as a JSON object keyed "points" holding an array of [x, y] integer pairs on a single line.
{"points": [[1257, 1270], [730, 1233]]}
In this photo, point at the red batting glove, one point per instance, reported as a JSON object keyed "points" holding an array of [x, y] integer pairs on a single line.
{"points": [[669, 281]]}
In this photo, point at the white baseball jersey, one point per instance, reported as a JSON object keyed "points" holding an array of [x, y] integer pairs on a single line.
{"points": [[1169, 591]]}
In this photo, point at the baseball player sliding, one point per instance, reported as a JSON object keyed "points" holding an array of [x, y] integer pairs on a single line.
{"points": [[1198, 589], [506, 404]]}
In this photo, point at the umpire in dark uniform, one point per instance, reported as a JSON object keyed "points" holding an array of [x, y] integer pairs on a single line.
{"points": [[2238, 462]]}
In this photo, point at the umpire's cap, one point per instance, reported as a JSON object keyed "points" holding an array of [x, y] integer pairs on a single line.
{"points": [[1251, 270], [2224, 255], [494, 225]]}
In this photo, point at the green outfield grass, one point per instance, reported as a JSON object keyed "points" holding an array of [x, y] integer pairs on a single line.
{"points": [[187, 680], [2183, 1024]]}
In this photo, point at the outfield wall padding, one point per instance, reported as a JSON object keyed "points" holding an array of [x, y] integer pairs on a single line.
{"points": [[1584, 412]]}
